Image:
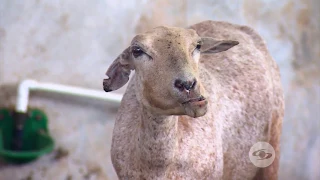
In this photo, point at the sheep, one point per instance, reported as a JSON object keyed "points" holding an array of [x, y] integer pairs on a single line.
{"points": [[200, 97]]}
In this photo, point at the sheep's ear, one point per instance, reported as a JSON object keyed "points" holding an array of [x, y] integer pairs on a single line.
{"points": [[118, 72], [211, 45]]}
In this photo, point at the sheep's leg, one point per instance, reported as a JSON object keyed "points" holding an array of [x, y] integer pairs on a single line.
{"points": [[271, 172]]}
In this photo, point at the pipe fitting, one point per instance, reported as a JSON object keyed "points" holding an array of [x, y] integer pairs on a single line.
{"points": [[27, 85]]}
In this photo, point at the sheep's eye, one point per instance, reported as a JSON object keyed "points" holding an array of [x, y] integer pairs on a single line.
{"points": [[198, 46], [136, 51]]}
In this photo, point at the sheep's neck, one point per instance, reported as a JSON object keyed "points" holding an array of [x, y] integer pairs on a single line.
{"points": [[158, 142]]}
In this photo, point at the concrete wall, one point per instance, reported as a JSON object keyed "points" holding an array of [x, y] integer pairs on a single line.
{"points": [[73, 42]]}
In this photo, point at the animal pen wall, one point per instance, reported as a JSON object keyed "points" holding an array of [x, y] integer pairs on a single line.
{"points": [[73, 42]]}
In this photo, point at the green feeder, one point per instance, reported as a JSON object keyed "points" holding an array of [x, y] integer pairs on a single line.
{"points": [[24, 136]]}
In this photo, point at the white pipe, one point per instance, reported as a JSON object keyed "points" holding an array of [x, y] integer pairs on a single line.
{"points": [[31, 85]]}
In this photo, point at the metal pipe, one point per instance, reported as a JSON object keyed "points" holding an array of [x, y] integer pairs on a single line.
{"points": [[31, 85]]}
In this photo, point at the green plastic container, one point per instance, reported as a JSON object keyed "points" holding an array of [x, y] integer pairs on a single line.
{"points": [[36, 140]]}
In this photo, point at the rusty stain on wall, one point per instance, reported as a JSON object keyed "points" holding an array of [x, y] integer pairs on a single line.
{"points": [[305, 40], [161, 12]]}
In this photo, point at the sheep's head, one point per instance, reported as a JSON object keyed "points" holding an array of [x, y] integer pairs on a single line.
{"points": [[166, 63]]}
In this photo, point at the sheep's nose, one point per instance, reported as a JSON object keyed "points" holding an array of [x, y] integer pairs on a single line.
{"points": [[185, 85]]}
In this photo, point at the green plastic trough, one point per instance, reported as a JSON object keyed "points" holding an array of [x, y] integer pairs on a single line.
{"points": [[33, 136]]}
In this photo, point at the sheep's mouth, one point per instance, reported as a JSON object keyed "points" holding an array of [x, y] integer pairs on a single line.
{"points": [[195, 107], [196, 101]]}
